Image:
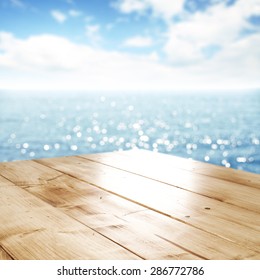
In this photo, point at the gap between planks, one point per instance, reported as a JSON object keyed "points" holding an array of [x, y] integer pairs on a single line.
{"points": [[50, 178], [33, 229], [145, 232], [243, 196], [224, 229], [228, 174], [164, 250], [4, 255]]}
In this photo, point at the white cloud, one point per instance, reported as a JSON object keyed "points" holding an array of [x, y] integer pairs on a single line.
{"points": [[74, 13], [240, 56], [92, 33], [248, 7], [163, 8], [53, 62], [62, 17], [49, 61], [129, 6], [138, 41], [198, 35], [166, 8], [237, 65], [43, 52], [218, 26], [58, 16]]}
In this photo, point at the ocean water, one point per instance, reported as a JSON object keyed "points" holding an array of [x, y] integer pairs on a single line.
{"points": [[220, 128]]}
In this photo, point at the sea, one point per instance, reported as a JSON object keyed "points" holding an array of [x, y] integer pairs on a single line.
{"points": [[222, 128]]}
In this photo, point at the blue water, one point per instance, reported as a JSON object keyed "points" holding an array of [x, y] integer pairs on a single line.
{"points": [[220, 128]]}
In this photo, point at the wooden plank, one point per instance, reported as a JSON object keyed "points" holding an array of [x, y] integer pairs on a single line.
{"points": [[209, 246], [148, 234], [143, 158], [4, 255], [5, 182], [243, 196], [198, 211], [15, 172], [208, 169], [97, 209], [35, 230]]}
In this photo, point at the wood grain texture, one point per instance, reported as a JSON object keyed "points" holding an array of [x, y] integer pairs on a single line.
{"points": [[101, 210], [204, 213], [215, 187], [35, 230], [215, 171], [127, 205], [4, 255], [136, 228], [3, 181], [26, 172]]}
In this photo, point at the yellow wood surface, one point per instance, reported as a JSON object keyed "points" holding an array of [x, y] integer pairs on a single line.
{"points": [[123, 221], [189, 178], [127, 205], [3, 181], [203, 212], [228, 174], [15, 172], [33, 229], [4, 255]]}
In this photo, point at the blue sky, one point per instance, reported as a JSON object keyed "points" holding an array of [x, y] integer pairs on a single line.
{"points": [[129, 44]]}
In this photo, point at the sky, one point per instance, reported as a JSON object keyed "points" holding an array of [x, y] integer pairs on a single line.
{"points": [[129, 44]]}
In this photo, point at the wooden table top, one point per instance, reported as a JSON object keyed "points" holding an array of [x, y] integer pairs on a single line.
{"points": [[127, 205]]}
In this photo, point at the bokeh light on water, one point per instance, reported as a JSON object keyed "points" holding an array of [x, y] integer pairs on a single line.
{"points": [[222, 129]]}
